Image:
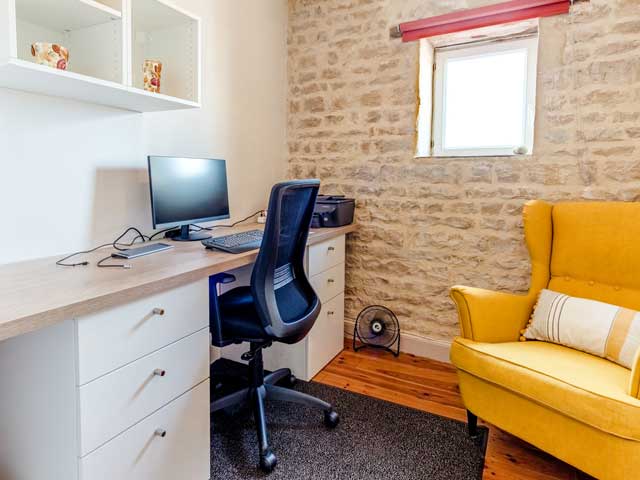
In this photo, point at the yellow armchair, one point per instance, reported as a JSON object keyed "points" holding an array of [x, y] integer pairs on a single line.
{"points": [[580, 408]]}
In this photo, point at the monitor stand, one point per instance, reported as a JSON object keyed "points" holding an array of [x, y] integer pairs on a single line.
{"points": [[187, 236]]}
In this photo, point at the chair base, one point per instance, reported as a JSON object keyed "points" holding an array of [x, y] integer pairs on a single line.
{"points": [[264, 388]]}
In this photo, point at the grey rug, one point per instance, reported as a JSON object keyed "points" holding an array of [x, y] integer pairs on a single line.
{"points": [[374, 440]]}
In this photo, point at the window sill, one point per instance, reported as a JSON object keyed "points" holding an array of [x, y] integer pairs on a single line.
{"points": [[472, 157]]}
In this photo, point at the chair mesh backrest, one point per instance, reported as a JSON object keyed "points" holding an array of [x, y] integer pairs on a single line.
{"points": [[285, 300]]}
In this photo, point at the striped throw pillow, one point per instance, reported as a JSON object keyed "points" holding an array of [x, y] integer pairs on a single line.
{"points": [[598, 328]]}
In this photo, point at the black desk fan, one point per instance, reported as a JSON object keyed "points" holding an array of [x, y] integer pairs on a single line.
{"points": [[378, 327]]}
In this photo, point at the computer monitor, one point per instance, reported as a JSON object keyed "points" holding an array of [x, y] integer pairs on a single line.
{"points": [[186, 191]]}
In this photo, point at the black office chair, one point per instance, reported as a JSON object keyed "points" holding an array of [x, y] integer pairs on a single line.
{"points": [[280, 305]]}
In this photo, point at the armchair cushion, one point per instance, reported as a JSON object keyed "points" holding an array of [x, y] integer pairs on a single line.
{"points": [[601, 329], [586, 388]]}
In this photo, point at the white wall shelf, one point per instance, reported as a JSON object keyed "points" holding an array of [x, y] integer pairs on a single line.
{"points": [[33, 78], [108, 41]]}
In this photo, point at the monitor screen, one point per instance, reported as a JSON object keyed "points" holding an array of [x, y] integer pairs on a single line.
{"points": [[187, 190]]}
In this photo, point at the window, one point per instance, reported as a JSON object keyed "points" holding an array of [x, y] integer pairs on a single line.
{"points": [[483, 99]]}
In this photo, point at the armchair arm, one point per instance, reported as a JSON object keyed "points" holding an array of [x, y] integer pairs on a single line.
{"points": [[215, 322], [487, 316], [634, 383]]}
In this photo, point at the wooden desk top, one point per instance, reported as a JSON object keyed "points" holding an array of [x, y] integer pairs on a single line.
{"points": [[37, 293]]}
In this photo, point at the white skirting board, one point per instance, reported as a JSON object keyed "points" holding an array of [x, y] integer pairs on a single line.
{"points": [[409, 343], [415, 344]]}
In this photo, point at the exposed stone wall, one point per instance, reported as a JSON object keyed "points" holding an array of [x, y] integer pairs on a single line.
{"points": [[429, 223]]}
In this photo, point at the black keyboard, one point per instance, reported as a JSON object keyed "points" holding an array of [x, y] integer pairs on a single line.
{"points": [[236, 242]]}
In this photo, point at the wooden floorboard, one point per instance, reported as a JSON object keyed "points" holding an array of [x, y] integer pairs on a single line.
{"points": [[433, 387]]}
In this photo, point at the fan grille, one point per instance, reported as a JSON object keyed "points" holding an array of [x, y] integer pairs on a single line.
{"points": [[377, 325]]}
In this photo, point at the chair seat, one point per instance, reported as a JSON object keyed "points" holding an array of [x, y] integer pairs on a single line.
{"points": [[240, 319], [584, 387]]}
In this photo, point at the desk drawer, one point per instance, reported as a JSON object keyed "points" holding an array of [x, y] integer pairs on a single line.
{"points": [[325, 255], [141, 454], [115, 337], [326, 339], [329, 283], [112, 403]]}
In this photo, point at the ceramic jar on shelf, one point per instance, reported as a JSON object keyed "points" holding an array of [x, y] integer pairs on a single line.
{"points": [[50, 54], [152, 74]]}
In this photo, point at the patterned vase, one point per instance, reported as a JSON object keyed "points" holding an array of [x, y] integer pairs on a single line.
{"points": [[152, 73], [50, 54]]}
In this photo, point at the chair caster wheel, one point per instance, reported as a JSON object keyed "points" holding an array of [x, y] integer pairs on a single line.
{"points": [[331, 418], [268, 461]]}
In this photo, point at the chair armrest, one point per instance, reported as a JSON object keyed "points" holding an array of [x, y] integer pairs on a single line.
{"points": [[634, 384], [492, 317], [215, 320]]}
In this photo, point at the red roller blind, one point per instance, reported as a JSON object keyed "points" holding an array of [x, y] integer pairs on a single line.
{"points": [[507, 12]]}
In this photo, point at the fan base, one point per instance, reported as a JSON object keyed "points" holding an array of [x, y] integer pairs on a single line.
{"points": [[395, 352]]}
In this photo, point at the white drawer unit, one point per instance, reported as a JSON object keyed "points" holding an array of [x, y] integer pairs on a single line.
{"points": [[329, 283], [171, 444], [91, 393], [112, 403], [326, 339], [325, 255], [117, 336]]}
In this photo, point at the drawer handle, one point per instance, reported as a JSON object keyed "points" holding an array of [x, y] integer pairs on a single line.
{"points": [[158, 311], [331, 249], [330, 280], [330, 313], [159, 372], [160, 432]]}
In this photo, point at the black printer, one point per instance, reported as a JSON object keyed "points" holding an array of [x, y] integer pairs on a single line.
{"points": [[333, 211]]}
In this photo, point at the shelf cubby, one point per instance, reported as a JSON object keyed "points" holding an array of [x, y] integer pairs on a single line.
{"points": [[161, 32], [91, 31]]}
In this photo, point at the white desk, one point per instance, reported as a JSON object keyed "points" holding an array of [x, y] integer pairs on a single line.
{"points": [[97, 364]]}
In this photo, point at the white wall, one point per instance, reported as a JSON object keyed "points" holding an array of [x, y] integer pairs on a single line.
{"points": [[73, 175]]}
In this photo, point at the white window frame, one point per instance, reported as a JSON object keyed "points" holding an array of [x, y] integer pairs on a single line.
{"points": [[439, 107]]}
